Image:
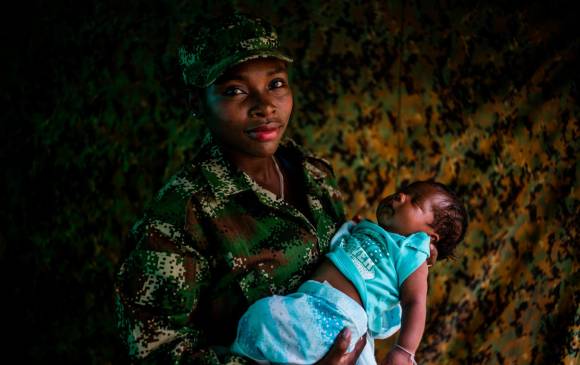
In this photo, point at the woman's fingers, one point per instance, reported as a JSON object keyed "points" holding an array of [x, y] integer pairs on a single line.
{"points": [[358, 348], [340, 345], [337, 353]]}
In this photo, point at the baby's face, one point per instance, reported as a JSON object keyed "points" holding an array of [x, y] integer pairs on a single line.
{"points": [[408, 210]]}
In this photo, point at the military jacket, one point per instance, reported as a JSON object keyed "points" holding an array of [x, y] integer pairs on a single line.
{"points": [[212, 243]]}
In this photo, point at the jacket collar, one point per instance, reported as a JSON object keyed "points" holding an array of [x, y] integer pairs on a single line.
{"points": [[226, 180]]}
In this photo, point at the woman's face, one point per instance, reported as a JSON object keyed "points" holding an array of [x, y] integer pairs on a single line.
{"points": [[248, 108]]}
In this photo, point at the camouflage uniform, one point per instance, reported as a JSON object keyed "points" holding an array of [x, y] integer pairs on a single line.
{"points": [[212, 243], [223, 43]]}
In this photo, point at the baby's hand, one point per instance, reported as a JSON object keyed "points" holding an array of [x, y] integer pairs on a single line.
{"points": [[432, 255], [357, 217], [396, 357]]}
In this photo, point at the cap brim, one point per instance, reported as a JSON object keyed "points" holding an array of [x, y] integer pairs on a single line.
{"points": [[217, 70]]}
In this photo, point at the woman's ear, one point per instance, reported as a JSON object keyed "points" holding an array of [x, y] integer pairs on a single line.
{"points": [[196, 102]]}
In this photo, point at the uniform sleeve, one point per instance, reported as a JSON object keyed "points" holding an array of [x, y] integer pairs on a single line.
{"points": [[157, 292], [413, 252], [331, 185]]}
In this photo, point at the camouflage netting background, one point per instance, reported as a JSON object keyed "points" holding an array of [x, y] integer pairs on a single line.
{"points": [[481, 95]]}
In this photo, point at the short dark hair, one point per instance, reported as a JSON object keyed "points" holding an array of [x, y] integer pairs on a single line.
{"points": [[450, 217]]}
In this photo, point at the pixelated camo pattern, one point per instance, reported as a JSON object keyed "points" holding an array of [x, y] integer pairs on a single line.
{"points": [[212, 243], [481, 97], [212, 46]]}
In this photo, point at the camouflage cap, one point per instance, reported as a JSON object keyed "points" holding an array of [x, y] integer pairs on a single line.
{"points": [[225, 43]]}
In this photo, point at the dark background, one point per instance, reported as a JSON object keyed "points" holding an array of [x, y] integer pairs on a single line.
{"points": [[480, 95]]}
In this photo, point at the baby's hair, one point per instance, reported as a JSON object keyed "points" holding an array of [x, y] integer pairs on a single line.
{"points": [[449, 217]]}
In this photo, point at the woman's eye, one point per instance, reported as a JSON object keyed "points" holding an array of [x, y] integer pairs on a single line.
{"points": [[233, 91], [277, 83]]}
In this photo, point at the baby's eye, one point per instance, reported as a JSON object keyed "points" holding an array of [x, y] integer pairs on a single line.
{"points": [[397, 197]]}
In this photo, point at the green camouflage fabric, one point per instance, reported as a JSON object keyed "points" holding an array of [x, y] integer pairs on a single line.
{"points": [[483, 96], [212, 243], [221, 44]]}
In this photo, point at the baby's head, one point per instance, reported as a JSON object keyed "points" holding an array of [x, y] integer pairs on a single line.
{"points": [[426, 206]]}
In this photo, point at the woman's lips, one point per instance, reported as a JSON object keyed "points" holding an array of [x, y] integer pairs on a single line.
{"points": [[264, 133]]}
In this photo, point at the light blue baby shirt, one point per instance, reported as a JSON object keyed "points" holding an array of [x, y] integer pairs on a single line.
{"points": [[377, 262]]}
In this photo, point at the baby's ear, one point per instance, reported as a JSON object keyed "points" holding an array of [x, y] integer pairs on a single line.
{"points": [[434, 238]]}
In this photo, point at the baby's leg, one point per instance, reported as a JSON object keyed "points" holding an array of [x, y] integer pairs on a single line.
{"points": [[298, 328]]}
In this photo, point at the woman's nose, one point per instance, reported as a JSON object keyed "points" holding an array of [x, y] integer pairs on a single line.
{"points": [[263, 105]]}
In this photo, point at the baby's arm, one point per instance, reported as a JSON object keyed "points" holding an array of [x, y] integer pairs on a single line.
{"points": [[413, 302]]}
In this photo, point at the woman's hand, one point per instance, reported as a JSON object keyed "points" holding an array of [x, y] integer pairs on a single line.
{"points": [[337, 353]]}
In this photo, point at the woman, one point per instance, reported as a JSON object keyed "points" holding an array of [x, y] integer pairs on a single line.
{"points": [[249, 217]]}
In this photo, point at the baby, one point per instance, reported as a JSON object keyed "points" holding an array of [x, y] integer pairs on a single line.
{"points": [[373, 281]]}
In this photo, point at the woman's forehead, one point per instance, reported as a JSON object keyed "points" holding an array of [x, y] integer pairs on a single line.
{"points": [[245, 69]]}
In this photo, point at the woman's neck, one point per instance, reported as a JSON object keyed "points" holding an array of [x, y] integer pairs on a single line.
{"points": [[257, 167], [261, 169]]}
